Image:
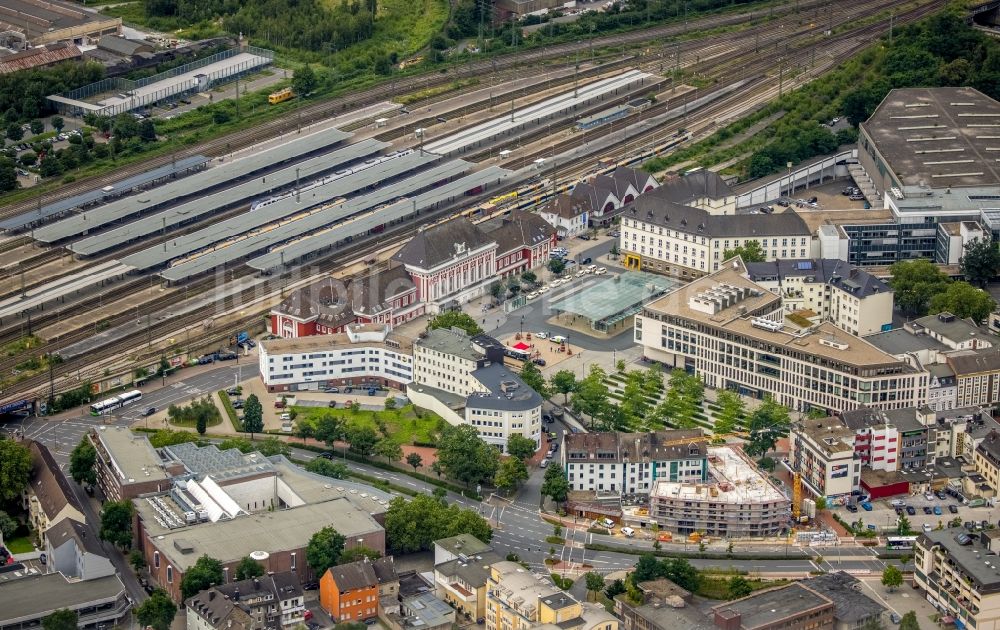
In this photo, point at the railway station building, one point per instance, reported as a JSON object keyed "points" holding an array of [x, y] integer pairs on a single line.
{"points": [[30, 23]]}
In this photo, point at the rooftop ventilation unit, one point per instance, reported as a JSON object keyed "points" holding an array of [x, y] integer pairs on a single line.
{"points": [[766, 324]]}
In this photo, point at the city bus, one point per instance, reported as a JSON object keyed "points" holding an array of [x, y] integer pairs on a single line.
{"points": [[115, 402], [900, 543]]}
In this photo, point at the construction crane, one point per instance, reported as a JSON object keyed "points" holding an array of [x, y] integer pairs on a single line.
{"points": [[704, 438], [796, 496]]}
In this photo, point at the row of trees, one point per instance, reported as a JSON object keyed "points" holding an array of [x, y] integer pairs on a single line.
{"points": [[920, 288], [23, 94], [414, 525]]}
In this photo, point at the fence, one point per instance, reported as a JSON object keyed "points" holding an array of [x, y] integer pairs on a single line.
{"points": [[130, 95]]}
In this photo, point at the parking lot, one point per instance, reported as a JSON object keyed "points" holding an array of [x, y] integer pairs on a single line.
{"points": [[883, 514]]}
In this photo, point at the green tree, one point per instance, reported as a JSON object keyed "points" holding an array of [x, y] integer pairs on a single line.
{"points": [[8, 525], [136, 560], [8, 177], [683, 401], [62, 619], [980, 261], [363, 440], [304, 81], [414, 459], [768, 423], [510, 473], [116, 523], [14, 132], [557, 265], [324, 549], [157, 611], [82, 463], [909, 621], [147, 130], [389, 449], [554, 484], [591, 395], [615, 588], [680, 572], [964, 300], [533, 378], [37, 127], [465, 457], [914, 282], [414, 525], [205, 572], [455, 319], [595, 583], [892, 577], [248, 568], [321, 466], [329, 429], [520, 447], [563, 382], [253, 415], [738, 587], [634, 404], [529, 277], [359, 553], [390, 403], [57, 123], [750, 253], [903, 527], [648, 568], [201, 424], [15, 469], [730, 414]]}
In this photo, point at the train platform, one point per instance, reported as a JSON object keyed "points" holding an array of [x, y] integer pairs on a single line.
{"points": [[252, 190], [11, 281], [176, 170], [359, 226], [61, 287], [206, 180], [306, 224], [570, 101]]}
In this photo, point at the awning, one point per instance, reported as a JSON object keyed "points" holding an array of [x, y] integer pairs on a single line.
{"points": [[520, 345]]}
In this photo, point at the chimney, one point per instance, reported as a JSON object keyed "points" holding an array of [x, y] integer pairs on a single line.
{"points": [[236, 594]]}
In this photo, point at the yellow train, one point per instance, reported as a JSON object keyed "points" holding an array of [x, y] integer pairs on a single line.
{"points": [[280, 96]]}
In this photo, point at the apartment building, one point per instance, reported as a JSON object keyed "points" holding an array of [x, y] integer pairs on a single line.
{"points": [[823, 452], [629, 463], [703, 189], [734, 500], [518, 599], [128, 465], [952, 568], [664, 606], [364, 355], [792, 607], [275, 600], [830, 290], [977, 378], [986, 459], [463, 379], [732, 332], [350, 592], [461, 572], [665, 237], [49, 498]]}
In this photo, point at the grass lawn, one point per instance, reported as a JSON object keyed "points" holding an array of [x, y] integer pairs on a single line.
{"points": [[402, 424], [19, 545], [191, 424], [718, 587]]}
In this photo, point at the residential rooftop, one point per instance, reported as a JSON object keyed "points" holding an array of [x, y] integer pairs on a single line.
{"points": [[969, 559], [131, 454], [368, 335], [32, 597], [903, 420], [949, 327], [901, 341], [829, 434], [505, 390], [466, 544], [635, 447], [938, 137], [833, 272], [456, 342]]}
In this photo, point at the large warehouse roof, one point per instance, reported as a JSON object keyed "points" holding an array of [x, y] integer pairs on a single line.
{"points": [[248, 223], [942, 137], [205, 180], [204, 206], [363, 224], [136, 181], [315, 221]]}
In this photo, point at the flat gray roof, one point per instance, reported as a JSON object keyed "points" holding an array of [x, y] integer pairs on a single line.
{"points": [[361, 225], [971, 559], [943, 137], [493, 377], [38, 18], [900, 341], [222, 199], [83, 199], [30, 598], [207, 179], [247, 223], [315, 221]]}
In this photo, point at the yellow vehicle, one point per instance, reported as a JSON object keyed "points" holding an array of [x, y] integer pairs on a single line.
{"points": [[280, 96]]}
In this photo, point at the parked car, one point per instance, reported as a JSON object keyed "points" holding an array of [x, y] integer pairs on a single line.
{"points": [[585, 237], [234, 391], [332, 390], [910, 510], [238, 403], [628, 532], [895, 618], [937, 510], [897, 503], [927, 527], [279, 404], [586, 261], [929, 496], [852, 509], [866, 506], [953, 508], [149, 411], [928, 510], [286, 417], [558, 339], [539, 361], [546, 418], [544, 463], [541, 335]]}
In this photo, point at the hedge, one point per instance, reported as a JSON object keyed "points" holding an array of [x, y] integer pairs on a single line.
{"points": [[791, 553], [231, 411]]}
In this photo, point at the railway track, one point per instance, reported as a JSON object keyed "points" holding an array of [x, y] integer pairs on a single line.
{"points": [[844, 45], [321, 110]]}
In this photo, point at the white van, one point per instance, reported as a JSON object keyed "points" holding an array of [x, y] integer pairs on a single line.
{"points": [[544, 464], [628, 532], [557, 339]]}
